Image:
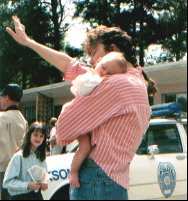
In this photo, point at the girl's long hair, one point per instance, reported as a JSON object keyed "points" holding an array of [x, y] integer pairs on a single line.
{"points": [[41, 150]]}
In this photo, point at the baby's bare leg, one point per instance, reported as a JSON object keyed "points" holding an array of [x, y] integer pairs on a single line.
{"points": [[79, 157]]}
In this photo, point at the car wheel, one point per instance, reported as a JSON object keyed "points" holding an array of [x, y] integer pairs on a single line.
{"points": [[61, 194]]}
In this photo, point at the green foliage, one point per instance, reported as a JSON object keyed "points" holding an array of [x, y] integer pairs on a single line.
{"points": [[20, 64], [148, 22], [73, 52], [57, 14], [175, 19]]}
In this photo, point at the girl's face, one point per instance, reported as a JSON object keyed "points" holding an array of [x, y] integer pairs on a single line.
{"points": [[37, 139]]}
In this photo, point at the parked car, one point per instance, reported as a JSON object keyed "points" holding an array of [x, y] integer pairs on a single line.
{"points": [[158, 170]]}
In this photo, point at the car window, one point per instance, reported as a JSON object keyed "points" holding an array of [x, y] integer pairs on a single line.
{"points": [[165, 136]]}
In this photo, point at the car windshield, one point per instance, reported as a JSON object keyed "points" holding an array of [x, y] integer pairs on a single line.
{"points": [[165, 136]]}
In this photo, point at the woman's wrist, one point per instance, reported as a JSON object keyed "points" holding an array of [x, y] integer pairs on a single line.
{"points": [[30, 43]]}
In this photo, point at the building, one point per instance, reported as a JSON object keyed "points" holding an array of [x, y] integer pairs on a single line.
{"points": [[171, 80], [42, 103]]}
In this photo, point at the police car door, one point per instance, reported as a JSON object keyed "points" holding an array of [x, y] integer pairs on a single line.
{"points": [[162, 175]]}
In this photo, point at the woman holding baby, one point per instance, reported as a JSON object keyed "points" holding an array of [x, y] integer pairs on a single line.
{"points": [[115, 112]]}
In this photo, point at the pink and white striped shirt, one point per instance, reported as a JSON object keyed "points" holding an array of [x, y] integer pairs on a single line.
{"points": [[117, 113]]}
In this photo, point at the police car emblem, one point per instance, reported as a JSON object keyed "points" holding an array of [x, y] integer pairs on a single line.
{"points": [[166, 178]]}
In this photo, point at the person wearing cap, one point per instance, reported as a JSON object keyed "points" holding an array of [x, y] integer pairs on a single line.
{"points": [[13, 127]]}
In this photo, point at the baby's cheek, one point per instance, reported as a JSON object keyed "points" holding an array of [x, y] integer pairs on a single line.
{"points": [[97, 69]]}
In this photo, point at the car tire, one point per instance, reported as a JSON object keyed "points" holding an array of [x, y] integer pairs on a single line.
{"points": [[61, 194]]}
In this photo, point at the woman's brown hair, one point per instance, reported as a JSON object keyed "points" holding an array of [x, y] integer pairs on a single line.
{"points": [[110, 36]]}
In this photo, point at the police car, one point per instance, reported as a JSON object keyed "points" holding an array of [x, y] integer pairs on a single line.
{"points": [[158, 170]]}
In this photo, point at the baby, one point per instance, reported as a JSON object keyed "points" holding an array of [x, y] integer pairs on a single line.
{"points": [[83, 85], [112, 63]]}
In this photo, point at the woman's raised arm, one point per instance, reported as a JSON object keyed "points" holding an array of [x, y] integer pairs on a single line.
{"points": [[59, 59]]}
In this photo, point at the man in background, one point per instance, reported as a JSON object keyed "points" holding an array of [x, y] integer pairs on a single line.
{"points": [[13, 127], [54, 147]]}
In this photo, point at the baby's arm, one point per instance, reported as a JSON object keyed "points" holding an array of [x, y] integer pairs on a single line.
{"points": [[79, 157]]}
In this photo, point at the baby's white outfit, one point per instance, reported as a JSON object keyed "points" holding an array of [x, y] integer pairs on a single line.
{"points": [[84, 84]]}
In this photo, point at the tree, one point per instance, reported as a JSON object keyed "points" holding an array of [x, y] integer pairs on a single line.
{"points": [[20, 64], [175, 12], [144, 20], [58, 17], [73, 52]]}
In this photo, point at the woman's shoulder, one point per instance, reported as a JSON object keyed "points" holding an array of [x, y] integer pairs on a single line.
{"points": [[130, 79], [116, 79]]}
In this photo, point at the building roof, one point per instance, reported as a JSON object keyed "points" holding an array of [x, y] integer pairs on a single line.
{"points": [[57, 90], [168, 73]]}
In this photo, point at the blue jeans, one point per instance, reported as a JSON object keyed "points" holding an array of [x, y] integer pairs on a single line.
{"points": [[96, 185]]}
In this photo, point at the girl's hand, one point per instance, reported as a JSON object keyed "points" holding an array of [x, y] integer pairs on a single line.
{"points": [[34, 186], [19, 34], [43, 186]]}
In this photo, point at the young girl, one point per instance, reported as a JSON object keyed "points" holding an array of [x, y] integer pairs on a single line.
{"points": [[83, 85], [18, 181]]}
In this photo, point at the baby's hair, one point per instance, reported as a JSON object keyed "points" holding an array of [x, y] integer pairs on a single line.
{"points": [[119, 58], [26, 147]]}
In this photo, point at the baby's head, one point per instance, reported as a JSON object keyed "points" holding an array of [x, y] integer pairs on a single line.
{"points": [[112, 63]]}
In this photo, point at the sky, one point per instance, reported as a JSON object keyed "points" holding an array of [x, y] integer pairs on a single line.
{"points": [[77, 31], [76, 34]]}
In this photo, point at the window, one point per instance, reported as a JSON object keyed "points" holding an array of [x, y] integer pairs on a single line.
{"points": [[143, 148], [167, 98], [173, 97], [165, 136], [29, 111]]}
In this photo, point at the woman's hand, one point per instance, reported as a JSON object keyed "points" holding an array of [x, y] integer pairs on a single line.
{"points": [[19, 34], [34, 186], [43, 186]]}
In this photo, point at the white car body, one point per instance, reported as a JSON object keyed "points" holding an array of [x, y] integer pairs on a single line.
{"points": [[157, 176]]}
